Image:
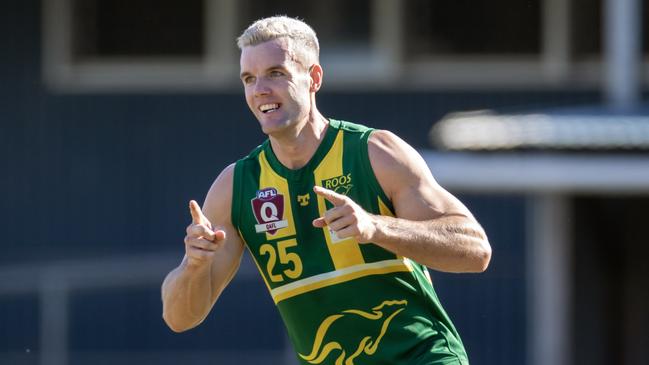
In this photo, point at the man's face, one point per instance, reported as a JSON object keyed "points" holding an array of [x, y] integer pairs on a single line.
{"points": [[277, 87]]}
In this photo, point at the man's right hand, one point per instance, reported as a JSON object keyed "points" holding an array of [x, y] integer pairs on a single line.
{"points": [[201, 241]]}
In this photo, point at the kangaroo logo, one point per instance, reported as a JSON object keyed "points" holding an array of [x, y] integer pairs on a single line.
{"points": [[382, 314]]}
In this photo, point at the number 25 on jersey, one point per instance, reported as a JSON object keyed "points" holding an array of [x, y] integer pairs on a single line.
{"points": [[290, 262]]}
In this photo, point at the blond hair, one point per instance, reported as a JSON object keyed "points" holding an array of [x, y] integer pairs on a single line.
{"points": [[302, 40]]}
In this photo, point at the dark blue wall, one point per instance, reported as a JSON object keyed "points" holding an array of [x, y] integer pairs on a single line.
{"points": [[84, 175]]}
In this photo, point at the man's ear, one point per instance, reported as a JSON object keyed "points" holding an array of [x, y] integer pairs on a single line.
{"points": [[315, 73]]}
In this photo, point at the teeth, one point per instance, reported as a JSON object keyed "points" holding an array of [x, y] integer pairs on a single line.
{"points": [[268, 107]]}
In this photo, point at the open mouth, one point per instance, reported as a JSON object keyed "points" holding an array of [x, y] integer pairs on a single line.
{"points": [[268, 108]]}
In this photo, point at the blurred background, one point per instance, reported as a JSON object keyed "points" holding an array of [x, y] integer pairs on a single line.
{"points": [[115, 113]]}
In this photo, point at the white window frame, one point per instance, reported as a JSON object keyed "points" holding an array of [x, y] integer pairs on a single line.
{"points": [[383, 66], [217, 68]]}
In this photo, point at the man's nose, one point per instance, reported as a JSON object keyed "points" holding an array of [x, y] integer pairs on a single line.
{"points": [[261, 87]]}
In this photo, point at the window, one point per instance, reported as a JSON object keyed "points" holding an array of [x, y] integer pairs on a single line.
{"points": [[465, 27], [344, 30], [165, 44], [149, 45], [645, 27], [137, 28], [340, 24], [587, 28]]}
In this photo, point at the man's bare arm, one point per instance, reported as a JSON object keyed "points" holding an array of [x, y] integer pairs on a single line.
{"points": [[432, 226], [213, 251]]}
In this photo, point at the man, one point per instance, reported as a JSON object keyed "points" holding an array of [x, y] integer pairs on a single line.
{"points": [[339, 218]]}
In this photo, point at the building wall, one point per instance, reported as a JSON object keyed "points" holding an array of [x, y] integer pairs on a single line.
{"points": [[109, 175]]}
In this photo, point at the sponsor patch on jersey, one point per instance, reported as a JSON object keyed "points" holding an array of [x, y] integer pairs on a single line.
{"points": [[340, 184], [303, 200], [268, 208]]}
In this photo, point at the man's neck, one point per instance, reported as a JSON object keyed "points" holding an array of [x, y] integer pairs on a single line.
{"points": [[295, 151]]}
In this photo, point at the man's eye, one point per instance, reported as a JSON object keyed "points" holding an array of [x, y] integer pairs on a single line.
{"points": [[276, 73], [248, 80]]}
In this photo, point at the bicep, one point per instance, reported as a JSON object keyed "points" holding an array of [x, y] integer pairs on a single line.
{"points": [[407, 181]]}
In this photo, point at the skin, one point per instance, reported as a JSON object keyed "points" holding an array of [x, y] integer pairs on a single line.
{"points": [[432, 227]]}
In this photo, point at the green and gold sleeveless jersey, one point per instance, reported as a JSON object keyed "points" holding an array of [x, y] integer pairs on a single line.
{"points": [[342, 302]]}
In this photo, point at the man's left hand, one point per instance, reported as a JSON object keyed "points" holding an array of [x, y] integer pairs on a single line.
{"points": [[346, 218]]}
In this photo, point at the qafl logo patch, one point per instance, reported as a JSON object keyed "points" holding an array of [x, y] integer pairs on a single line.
{"points": [[268, 208]]}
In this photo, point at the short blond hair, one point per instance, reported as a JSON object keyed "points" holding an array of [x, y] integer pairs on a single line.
{"points": [[302, 40]]}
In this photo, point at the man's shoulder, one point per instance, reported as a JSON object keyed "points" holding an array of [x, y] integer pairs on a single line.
{"points": [[350, 126], [386, 145]]}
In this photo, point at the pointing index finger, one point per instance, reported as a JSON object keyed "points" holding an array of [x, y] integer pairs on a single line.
{"points": [[333, 197], [197, 214]]}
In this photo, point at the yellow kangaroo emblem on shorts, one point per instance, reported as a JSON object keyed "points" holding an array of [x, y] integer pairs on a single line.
{"points": [[368, 344]]}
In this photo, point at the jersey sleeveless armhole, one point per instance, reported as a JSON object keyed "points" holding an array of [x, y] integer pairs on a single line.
{"points": [[369, 172], [235, 206]]}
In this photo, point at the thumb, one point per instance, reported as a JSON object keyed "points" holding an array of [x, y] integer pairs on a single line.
{"points": [[197, 214], [219, 235]]}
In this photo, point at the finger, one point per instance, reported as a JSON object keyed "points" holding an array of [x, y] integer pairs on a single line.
{"points": [[319, 222], [197, 214], [341, 223], [219, 235], [196, 254], [349, 231], [201, 230], [336, 213], [333, 197], [200, 243], [328, 217]]}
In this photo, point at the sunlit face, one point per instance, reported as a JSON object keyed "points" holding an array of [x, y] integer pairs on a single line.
{"points": [[277, 88]]}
